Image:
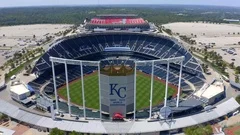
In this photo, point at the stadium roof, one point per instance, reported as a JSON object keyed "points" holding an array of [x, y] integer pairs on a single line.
{"points": [[184, 104], [5, 131], [94, 126], [117, 15], [211, 91], [19, 89], [44, 102]]}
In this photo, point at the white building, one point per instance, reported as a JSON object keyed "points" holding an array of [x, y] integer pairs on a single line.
{"points": [[5, 131], [211, 93], [19, 91]]}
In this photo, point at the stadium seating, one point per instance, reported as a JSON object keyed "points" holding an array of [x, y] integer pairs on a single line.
{"points": [[117, 21], [91, 47]]}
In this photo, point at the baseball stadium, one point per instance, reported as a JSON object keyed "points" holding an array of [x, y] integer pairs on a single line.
{"points": [[116, 48], [118, 77]]}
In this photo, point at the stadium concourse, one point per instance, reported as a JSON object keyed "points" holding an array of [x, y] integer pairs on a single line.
{"points": [[46, 123]]}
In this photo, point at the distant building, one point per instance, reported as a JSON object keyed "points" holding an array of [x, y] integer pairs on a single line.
{"points": [[117, 21], [231, 20]]}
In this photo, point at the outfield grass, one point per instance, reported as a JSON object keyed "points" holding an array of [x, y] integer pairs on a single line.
{"points": [[92, 93]]}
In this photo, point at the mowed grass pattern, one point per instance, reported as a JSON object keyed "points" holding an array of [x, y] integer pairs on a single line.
{"points": [[143, 91], [92, 92]]}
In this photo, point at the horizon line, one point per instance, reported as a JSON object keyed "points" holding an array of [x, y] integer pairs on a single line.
{"points": [[91, 5]]}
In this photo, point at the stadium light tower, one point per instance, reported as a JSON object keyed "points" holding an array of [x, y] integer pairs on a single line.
{"points": [[135, 89], [55, 87], [166, 88], [83, 94], [179, 84], [162, 61], [118, 90], [68, 93], [99, 85], [151, 93]]}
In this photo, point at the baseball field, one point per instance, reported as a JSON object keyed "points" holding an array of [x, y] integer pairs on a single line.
{"points": [[92, 91]]}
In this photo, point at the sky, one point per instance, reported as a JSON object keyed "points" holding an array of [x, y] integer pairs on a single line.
{"points": [[20, 3]]}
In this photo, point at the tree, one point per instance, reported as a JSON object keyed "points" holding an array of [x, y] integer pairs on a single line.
{"points": [[12, 65], [16, 62], [205, 57], [236, 78], [205, 49], [2, 67], [238, 99], [26, 67], [23, 51], [237, 69], [56, 131], [168, 31], [208, 130], [17, 55], [198, 130], [29, 67], [3, 116], [231, 65], [74, 133]]}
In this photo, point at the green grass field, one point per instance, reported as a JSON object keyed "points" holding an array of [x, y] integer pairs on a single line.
{"points": [[92, 92], [237, 132]]}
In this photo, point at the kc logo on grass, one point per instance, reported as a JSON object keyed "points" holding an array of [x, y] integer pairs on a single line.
{"points": [[121, 91]]}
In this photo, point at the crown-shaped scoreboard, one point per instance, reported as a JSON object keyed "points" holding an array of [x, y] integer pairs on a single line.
{"points": [[117, 89]]}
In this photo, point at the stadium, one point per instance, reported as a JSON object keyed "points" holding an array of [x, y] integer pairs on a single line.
{"points": [[118, 77], [93, 47]]}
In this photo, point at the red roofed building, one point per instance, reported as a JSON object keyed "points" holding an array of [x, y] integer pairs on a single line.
{"points": [[117, 21]]}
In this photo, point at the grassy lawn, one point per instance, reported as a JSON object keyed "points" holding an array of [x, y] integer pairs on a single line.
{"points": [[92, 94], [237, 132], [20, 68]]}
